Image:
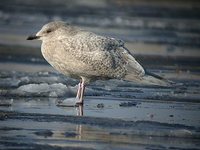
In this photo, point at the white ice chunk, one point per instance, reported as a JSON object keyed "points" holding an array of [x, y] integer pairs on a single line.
{"points": [[44, 89], [50, 90]]}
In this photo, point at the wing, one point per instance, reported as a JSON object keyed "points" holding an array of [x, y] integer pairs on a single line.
{"points": [[106, 56]]}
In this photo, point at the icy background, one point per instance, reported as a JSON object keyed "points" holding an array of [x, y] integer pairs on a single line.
{"points": [[163, 36]]}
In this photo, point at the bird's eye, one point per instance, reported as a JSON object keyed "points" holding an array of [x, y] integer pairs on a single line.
{"points": [[48, 31]]}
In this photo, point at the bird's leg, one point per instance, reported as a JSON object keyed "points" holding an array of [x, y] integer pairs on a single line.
{"points": [[81, 92], [80, 110]]}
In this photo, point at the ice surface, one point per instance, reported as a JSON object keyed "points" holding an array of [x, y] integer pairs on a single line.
{"points": [[68, 102], [13, 79], [9, 82], [52, 84], [6, 102], [49, 90], [44, 89]]}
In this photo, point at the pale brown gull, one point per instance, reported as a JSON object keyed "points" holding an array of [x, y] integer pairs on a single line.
{"points": [[84, 55]]}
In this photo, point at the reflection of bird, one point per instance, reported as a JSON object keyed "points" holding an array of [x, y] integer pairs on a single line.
{"points": [[87, 56]]}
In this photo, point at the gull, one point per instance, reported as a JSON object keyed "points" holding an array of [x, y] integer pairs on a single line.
{"points": [[87, 56]]}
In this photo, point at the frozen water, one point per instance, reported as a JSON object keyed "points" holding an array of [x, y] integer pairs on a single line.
{"points": [[7, 102], [9, 82], [68, 102], [44, 89], [47, 90], [52, 84]]}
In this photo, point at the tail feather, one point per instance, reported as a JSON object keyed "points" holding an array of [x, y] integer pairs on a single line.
{"points": [[147, 79], [155, 79], [154, 75], [150, 78]]}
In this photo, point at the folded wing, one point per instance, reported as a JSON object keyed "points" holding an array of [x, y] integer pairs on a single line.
{"points": [[106, 56]]}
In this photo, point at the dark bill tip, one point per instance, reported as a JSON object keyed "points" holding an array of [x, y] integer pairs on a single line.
{"points": [[32, 37]]}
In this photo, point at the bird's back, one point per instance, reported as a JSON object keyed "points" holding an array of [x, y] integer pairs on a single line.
{"points": [[107, 56]]}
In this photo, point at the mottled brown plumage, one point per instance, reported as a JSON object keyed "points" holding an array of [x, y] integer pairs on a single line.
{"points": [[81, 54]]}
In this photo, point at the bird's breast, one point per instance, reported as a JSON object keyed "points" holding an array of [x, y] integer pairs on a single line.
{"points": [[60, 58]]}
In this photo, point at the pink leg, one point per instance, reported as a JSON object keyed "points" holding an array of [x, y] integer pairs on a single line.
{"points": [[80, 92], [80, 110]]}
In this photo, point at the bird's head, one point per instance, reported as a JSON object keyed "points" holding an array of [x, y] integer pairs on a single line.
{"points": [[48, 30]]}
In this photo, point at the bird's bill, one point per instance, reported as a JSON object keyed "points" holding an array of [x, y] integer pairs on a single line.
{"points": [[33, 37]]}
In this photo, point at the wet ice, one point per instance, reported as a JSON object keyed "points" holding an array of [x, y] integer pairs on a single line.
{"points": [[50, 84], [44, 89]]}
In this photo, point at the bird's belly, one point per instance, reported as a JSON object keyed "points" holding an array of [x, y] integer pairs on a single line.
{"points": [[69, 66]]}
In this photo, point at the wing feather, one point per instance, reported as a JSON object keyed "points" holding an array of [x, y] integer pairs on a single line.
{"points": [[106, 56]]}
